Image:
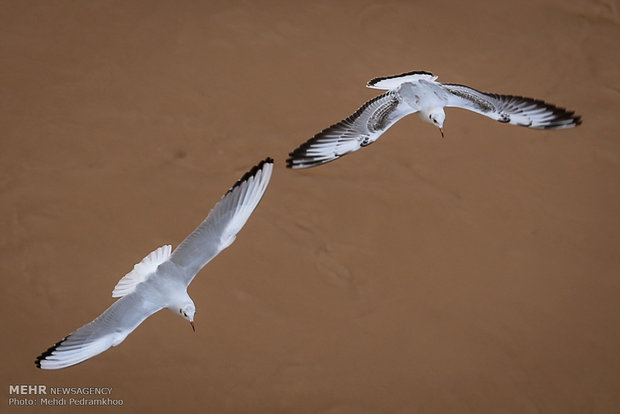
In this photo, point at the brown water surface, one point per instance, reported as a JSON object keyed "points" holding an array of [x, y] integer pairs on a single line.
{"points": [[473, 274]]}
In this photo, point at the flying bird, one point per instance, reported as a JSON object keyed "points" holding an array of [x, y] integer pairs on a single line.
{"points": [[419, 92], [161, 279]]}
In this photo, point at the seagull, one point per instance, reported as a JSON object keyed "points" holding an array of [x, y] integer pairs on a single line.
{"points": [[419, 92], [161, 279]]}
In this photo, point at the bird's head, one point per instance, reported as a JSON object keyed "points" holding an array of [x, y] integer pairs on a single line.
{"points": [[188, 311], [435, 116]]}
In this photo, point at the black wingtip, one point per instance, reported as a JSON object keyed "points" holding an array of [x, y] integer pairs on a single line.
{"points": [[48, 352], [308, 163], [299, 157], [251, 173], [561, 116], [290, 163], [415, 72]]}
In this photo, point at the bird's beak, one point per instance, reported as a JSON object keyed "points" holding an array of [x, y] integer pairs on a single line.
{"points": [[193, 327], [441, 130]]}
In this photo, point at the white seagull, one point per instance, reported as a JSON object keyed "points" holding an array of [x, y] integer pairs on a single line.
{"points": [[419, 92], [161, 279]]}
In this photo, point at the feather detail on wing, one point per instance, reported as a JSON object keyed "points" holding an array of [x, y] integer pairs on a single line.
{"points": [[515, 110], [109, 329], [141, 271], [394, 81], [361, 129], [224, 221]]}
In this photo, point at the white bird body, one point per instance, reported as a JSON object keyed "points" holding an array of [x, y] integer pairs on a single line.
{"points": [[161, 279], [419, 92]]}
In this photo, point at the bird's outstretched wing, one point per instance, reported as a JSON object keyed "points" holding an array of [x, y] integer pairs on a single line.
{"points": [[515, 110], [224, 221], [109, 329], [361, 129]]}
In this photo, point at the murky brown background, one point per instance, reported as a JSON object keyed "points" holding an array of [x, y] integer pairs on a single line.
{"points": [[475, 274]]}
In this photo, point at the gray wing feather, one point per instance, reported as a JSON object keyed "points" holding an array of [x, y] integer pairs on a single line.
{"points": [[224, 221], [109, 329], [515, 110], [362, 128]]}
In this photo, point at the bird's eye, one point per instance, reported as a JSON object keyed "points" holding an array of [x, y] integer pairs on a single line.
{"points": [[180, 310]]}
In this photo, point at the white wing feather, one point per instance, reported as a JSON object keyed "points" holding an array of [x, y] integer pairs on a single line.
{"points": [[393, 82], [141, 271], [225, 220], [109, 329]]}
